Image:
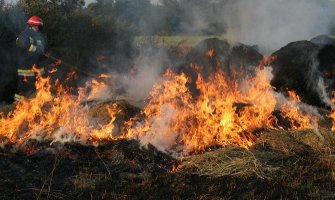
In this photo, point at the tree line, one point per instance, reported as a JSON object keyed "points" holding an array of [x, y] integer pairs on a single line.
{"points": [[81, 34], [78, 31]]}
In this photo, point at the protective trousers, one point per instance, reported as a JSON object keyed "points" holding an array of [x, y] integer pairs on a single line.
{"points": [[26, 83]]}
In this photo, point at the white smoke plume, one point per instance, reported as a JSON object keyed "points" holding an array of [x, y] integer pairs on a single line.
{"points": [[317, 82], [160, 135], [272, 24], [322, 91], [148, 69], [133, 83]]}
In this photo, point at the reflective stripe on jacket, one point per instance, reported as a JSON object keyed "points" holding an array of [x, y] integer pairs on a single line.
{"points": [[18, 97], [31, 49], [29, 72]]}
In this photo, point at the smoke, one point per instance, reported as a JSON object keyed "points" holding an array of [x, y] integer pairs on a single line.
{"points": [[134, 82], [269, 24], [316, 82], [322, 91], [148, 67], [273, 23], [155, 1], [161, 134]]}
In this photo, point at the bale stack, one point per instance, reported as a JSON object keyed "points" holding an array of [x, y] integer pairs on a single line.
{"points": [[213, 54], [307, 68]]}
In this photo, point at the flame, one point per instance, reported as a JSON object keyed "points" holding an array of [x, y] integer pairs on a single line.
{"points": [[104, 76], [225, 112], [99, 88], [332, 114], [291, 110], [54, 70], [266, 61], [174, 120], [106, 131], [210, 53], [51, 115]]}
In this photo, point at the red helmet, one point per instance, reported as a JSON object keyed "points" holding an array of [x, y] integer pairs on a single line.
{"points": [[35, 20]]}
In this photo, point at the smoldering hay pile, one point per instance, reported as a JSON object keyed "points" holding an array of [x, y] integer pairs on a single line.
{"points": [[306, 67], [217, 121]]}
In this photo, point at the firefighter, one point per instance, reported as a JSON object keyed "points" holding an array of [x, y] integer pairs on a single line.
{"points": [[31, 57]]}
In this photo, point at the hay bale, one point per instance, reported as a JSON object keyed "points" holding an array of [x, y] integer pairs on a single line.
{"points": [[320, 141], [99, 111], [213, 54], [281, 141], [323, 39], [300, 66]]}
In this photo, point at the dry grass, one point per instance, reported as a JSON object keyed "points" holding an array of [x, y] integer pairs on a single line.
{"points": [[230, 161], [306, 151]]}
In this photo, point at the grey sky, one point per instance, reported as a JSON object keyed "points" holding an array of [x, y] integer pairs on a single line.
{"points": [[152, 1], [87, 1]]}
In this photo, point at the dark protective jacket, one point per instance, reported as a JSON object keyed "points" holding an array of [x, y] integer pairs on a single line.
{"points": [[31, 49], [31, 52]]}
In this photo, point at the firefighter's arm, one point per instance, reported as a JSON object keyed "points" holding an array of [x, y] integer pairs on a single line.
{"points": [[40, 49], [41, 46], [23, 43], [26, 43]]}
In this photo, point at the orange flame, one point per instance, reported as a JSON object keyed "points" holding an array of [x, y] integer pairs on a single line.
{"points": [[266, 61], [332, 114], [174, 120], [291, 110], [47, 116], [225, 112], [210, 53]]}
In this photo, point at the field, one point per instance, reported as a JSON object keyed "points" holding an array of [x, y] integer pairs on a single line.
{"points": [[181, 43]]}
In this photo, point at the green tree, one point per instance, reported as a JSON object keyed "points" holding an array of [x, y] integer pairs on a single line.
{"points": [[75, 33]]}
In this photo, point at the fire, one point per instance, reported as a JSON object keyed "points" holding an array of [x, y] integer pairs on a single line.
{"points": [[48, 116], [174, 120], [332, 114], [98, 87], [266, 61], [106, 131], [291, 110], [210, 53]]}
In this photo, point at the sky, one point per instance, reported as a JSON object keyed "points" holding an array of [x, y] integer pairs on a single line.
{"points": [[273, 23], [152, 1], [87, 1]]}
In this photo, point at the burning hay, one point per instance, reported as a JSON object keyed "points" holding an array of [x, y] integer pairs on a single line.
{"points": [[173, 120], [210, 55], [259, 135]]}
